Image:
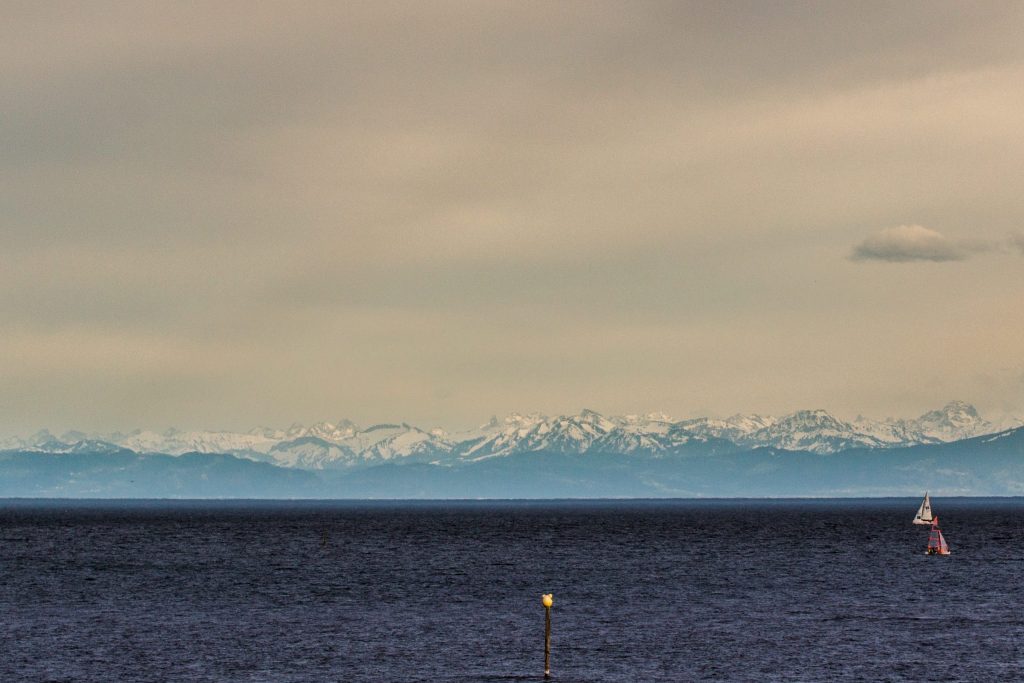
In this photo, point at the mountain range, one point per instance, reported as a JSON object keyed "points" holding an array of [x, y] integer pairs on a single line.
{"points": [[807, 453], [344, 445]]}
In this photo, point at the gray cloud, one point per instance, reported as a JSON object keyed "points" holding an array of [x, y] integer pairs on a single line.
{"points": [[905, 243]]}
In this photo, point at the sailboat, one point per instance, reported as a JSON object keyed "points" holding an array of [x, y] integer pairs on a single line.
{"points": [[936, 542], [924, 513]]}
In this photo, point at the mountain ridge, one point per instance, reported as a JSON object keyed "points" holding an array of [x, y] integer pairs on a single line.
{"points": [[344, 445]]}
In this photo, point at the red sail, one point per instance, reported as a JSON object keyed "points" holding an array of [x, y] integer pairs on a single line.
{"points": [[936, 542]]}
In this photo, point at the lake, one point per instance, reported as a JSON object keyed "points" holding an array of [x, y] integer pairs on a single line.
{"points": [[667, 590]]}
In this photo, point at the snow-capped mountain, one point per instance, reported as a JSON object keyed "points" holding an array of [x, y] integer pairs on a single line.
{"points": [[344, 445], [562, 434], [588, 432], [811, 430], [652, 433], [807, 430], [955, 421], [71, 442], [311, 453], [42, 438], [820, 432], [393, 442], [323, 445], [176, 442], [733, 429]]}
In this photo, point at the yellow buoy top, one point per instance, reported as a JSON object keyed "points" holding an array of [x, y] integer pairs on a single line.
{"points": [[547, 600]]}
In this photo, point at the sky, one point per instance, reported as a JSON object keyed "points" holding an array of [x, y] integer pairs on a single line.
{"points": [[228, 214]]}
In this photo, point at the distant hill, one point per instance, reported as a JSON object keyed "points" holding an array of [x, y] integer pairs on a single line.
{"points": [[124, 474]]}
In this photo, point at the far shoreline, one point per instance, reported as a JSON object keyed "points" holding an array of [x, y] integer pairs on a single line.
{"points": [[428, 502]]}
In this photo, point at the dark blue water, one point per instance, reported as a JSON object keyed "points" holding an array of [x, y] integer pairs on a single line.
{"points": [[644, 591]]}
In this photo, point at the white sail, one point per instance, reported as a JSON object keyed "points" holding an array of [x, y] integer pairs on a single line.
{"points": [[924, 513]]}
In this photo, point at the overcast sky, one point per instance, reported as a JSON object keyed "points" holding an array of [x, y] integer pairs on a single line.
{"points": [[217, 215]]}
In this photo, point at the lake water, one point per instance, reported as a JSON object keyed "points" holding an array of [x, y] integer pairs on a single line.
{"points": [[837, 590]]}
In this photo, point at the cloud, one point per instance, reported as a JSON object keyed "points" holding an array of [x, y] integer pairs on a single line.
{"points": [[905, 243]]}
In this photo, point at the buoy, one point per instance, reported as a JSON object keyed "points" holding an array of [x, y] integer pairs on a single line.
{"points": [[547, 601]]}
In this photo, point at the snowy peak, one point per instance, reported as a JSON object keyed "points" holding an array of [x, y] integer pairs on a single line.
{"points": [[811, 430], [312, 453], [324, 445], [587, 432], [390, 442], [954, 421], [561, 434], [811, 419], [176, 442], [592, 417], [343, 445], [334, 433], [821, 432], [651, 423], [735, 428]]}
